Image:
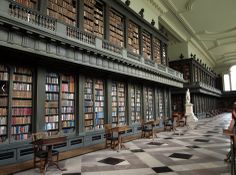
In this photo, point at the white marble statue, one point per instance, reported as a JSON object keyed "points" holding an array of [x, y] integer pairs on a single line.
{"points": [[187, 96]]}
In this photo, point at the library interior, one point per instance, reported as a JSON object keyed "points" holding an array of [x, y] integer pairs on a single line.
{"points": [[142, 87]]}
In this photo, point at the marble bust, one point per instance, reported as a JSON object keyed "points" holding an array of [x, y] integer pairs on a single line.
{"points": [[187, 96]]}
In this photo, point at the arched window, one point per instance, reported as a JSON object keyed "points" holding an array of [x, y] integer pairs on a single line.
{"points": [[230, 80]]}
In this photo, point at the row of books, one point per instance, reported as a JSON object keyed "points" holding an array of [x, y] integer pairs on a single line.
{"points": [[52, 79], [99, 98], [51, 111], [66, 124], [4, 76], [88, 116], [22, 78], [21, 111], [3, 130], [99, 115], [22, 94], [22, 70], [88, 109], [69, 96], [53, 118], [67, 117], [52, 88], [98, 109], [88, 122], [51, 104], [67, 109], [52, 96], [88, 90], [21, 136], [88, 97], [88, 103], [21, 103], [20, 129], [3, 101], [99, 92], [3, 120], [67, 103], [28, 3], [22, 87], [21, 120], [3, 68], [99, 122], [51, 126], [99, 103]]}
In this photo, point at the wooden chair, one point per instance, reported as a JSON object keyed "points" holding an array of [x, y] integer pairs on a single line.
{"points": [[146, 130], [41, 153], [111, 138]]}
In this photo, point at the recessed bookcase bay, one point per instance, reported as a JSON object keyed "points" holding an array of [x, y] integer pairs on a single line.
{"points": [[59, 103], [93, 104]]}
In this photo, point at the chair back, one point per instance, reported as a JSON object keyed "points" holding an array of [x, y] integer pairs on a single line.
{"points": [[38, 135]]}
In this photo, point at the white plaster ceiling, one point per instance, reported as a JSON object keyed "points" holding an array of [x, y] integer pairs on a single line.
{"points": [[212, 23]]}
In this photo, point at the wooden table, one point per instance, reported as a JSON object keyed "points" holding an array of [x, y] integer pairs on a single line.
{"points": [[49, 142], [119, 130], [152, 123]]}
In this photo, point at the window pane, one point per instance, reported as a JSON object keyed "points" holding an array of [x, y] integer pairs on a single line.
{"points": [[226, 82], [233, 79]]}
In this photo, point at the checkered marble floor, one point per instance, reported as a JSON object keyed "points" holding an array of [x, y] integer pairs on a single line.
{"points": [[198, 151]]}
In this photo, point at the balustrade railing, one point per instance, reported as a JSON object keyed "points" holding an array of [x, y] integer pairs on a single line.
{"points": [[74, 32], [23, 13], [111, 47]]}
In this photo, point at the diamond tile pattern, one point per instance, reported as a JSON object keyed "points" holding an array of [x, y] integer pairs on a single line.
{"points": [[181, 156], [111, 161]]}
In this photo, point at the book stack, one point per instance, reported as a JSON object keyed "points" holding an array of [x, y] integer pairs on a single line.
{"points": [[21, 103], [28, 3], [116, 28], [64, 10], [146, 45], [133, 37], [157, 50]]}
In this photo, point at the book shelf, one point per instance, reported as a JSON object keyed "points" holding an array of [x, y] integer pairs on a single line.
{"points": [[133, 37], [21, 104], [149, 105], [118, 104], [94, 17], [28, 3], [186, 72], [157, 50], [93, 104], [64, 10], [135, 104], [4, 94], [67, 103], [99, 104], [146, 45], [161, 103], [116, 28], [52, 103]]}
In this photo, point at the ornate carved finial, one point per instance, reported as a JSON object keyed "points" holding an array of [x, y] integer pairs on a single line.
{"points": [[200, 61], [127, 2], [181, 56], [153, 22], [141, 12], [197, 60], [194, 56], [191, 55]]}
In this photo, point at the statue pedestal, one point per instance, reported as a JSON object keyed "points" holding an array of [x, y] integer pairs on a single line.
{"points": [[191, 118]]}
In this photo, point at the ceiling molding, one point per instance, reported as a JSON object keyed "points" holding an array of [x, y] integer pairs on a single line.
{"points": [[205, 32], [218, 45], [157, 5], [189, 5]]}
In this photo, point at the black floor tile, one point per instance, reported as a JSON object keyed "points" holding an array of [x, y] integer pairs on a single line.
{"points": [[193, 146], [163, 169], [155, 143], [214, 132], [137, 150], [207, 135], [71, 174], [111, 161], [168, 138], [178, 134], [201, 140], [181, 155]]}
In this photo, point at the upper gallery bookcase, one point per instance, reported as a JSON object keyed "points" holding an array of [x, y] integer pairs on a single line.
{"points": [[108, 20]]}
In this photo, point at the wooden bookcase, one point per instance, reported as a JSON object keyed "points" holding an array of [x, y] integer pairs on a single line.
{"points": [[94, 17], [118, 103], [133, 37], [4, 96], [164, 54], [157, 50], [146, 45], [64, 10], [67, 103], [149, 103], [52, 89], [21, 104], [28, 3], [93, 104], [116, 28], [135, 104], [161, 103]]}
